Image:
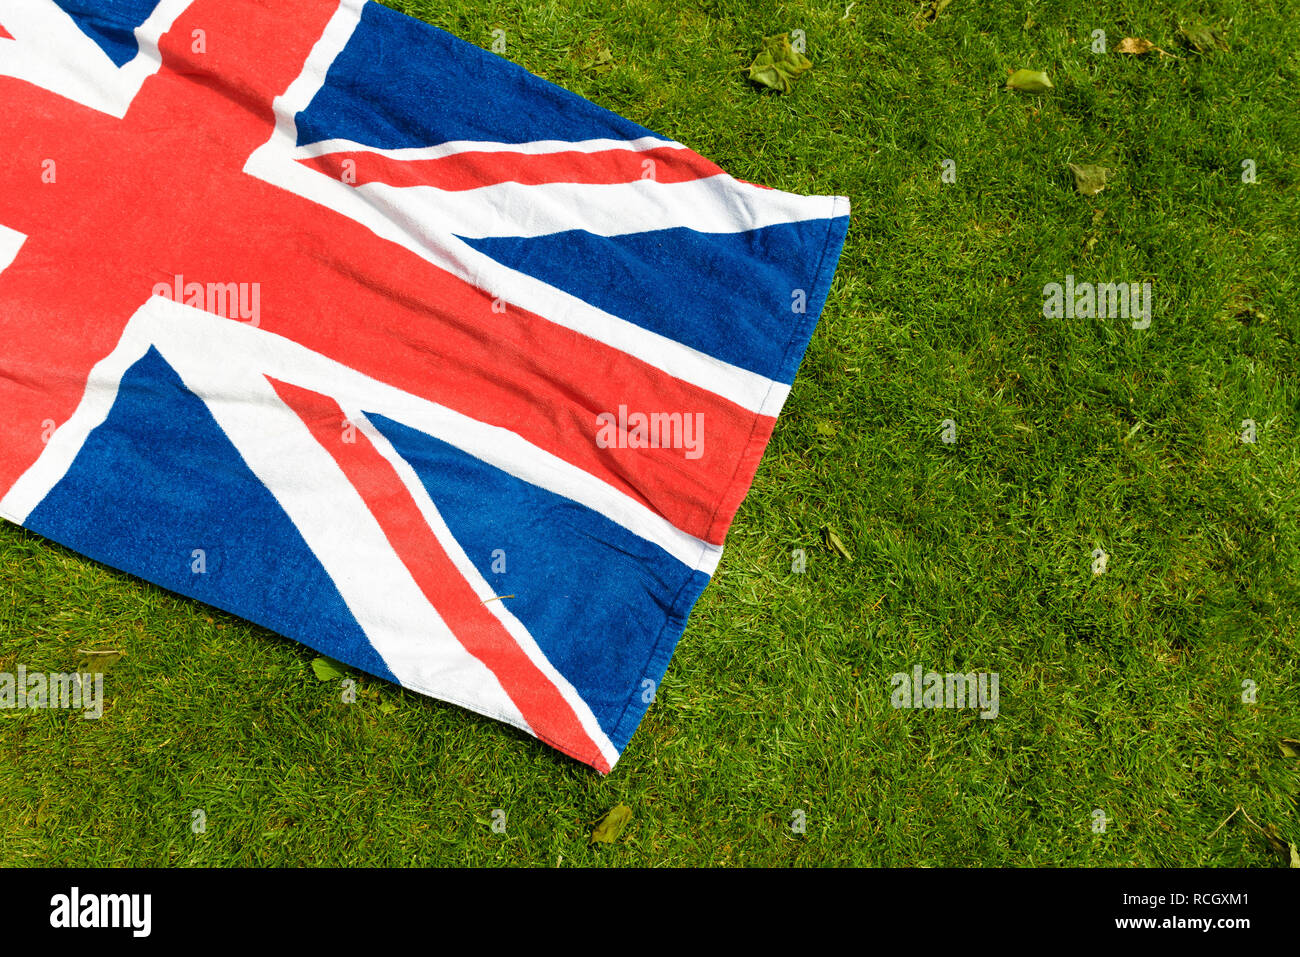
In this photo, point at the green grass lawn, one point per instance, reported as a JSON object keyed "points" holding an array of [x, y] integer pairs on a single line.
{"points": [[1120, 692]]}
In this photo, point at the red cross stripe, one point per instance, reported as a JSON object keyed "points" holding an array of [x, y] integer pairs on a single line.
{"points": [[136, 201]]}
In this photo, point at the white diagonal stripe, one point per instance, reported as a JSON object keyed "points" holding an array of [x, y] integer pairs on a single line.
{"points": [[337, 525], [49, 50], [714, 204], [408, 154], [405, 629], [66, 442], [11, 240]]}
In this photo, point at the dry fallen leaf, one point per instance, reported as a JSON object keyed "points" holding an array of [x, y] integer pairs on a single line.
{"points": [[1136, 46], [1030, 81], [1203, 39], [611, 825], [778, 64], [832, 542], [98, 662], [327, 669], [1089, 178]]}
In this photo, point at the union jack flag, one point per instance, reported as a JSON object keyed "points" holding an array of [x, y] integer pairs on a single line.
{"points": [[327, 318]]}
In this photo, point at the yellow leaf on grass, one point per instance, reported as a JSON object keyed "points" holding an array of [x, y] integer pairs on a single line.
{"points": [[1089, 178], [612, 824], [1029, 81], [778, 64], [1136, 46]]}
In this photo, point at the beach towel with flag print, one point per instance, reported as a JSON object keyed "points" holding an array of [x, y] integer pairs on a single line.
{"points": [[323, 316]]}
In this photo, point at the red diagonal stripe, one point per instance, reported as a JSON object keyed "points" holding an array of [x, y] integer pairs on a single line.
{"points": [[5, 34], [472, 169], [478, 630]]}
